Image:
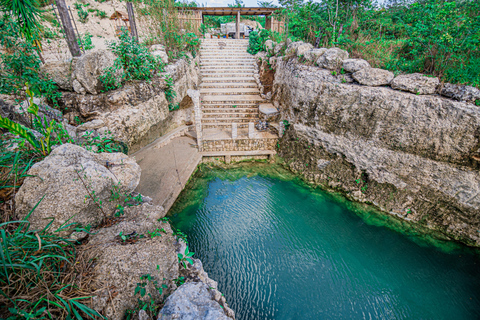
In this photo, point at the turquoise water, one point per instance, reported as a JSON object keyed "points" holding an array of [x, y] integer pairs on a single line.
{"points": [[281, 250]]}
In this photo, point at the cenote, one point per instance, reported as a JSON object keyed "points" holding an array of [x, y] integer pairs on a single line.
{"points": [[282, 250]]}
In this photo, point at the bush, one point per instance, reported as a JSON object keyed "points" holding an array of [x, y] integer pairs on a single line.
{"points": [[256, 41], [21, 64], [86, 41], [135, 59]]}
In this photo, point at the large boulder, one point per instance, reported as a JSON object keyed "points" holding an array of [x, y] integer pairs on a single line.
{"points": [[332, 58], [416, 83], [190, 301], [90, 67], [304, 48], [373, 77], [278, 48], [61, 72], [269, 45], [460, 92], [162, 55], [73, 185], [292, 47], [354, 65], [313, 54], [149, 250]]}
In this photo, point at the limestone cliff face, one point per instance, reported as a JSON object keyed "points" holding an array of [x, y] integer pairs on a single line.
{"points": [[415, 156], [138, 112]]}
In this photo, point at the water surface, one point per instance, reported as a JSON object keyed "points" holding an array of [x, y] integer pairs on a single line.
{"points": [[281, 250]]}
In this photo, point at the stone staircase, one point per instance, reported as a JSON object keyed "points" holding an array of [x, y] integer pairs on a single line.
{"points": [[230, 98]]}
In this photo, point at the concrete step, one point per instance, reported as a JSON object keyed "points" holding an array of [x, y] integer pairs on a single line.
{"points": [[232, 85], [220, 54], [229, 116], [209, 125], [226, 64], [230, 110], [229, 105], [228, 72], [227, 67], [229, 119], [231, 99], [227, 60], [216, 79], [224, 52], [228, 91]]}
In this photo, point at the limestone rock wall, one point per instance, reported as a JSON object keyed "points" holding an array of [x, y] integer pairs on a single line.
{"points": [[138, 112], [414, 156]]}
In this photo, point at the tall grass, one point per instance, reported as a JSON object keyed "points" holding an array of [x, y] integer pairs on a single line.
{"points": [[37, 275]]}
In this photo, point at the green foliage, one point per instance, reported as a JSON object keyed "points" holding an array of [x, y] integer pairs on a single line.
{"points": [[33, 266], [86, 41], [102, 143], [170, 94], [24, 13], [135, 60], [82, 14], [436, 37], [184, 258], [100, 13], [21, 64]]}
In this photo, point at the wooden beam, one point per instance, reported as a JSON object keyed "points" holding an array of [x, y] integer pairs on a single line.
{"points": [[131, 19], [68, 28], [238, 25]]}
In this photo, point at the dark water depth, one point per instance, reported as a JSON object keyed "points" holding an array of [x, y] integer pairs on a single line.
{"points": [[280, 250]]}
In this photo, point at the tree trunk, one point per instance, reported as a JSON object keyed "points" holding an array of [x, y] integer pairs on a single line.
{"points": [[68, 28]]}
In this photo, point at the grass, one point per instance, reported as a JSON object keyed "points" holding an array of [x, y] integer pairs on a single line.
{"points": [[38, 274]]}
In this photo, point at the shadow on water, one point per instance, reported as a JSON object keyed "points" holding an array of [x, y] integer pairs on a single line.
{"points": [[282, 250]]}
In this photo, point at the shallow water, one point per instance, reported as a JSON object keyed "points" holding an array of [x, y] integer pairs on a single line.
{"points": [[281, 250]]}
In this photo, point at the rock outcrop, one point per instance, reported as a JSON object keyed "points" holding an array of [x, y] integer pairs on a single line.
{"points": [[90, 66], [413, 156], [354, 65], [461, 92], [192, 301], [61, 72], [332, 58], [416, 83], [313, 54], [147, 255], [138, 112], [373, 77], [73, 185]]}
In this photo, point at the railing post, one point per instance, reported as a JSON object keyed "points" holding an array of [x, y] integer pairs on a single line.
{"points": [[251, 130], [234, 130], [237, 36], [68, 28], [131, 19]]}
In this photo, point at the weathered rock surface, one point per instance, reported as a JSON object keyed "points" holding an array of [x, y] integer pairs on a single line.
{"points": [[313, 54], [417, 156], [61, 72], [303, 48], [65, 183], [267, 112], [292, 47], [192, 301], [373, 77], [90, 67], [332, 58], [269, 45], [460, 92], [162, 54], [354, 65], [138, 112], [278, 47], [119, 266], [416, 83]]}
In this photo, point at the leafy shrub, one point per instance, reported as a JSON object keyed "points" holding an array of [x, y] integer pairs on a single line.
{"points": [[135, 59], [100, 13], [86, 41], [104, 143], [170, 94], [256, 41], [21, 64]]}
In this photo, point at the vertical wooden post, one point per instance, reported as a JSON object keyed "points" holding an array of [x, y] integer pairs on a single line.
{"points": [[131, 19], [68, 28], [268, 22], [237, 36]]}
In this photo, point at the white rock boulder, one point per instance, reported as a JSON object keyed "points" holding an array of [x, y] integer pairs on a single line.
{"points": [[71, 183], [91, 66], [354, 65], [416, 83], [332, 59], [313, 54], [373, 77]]}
